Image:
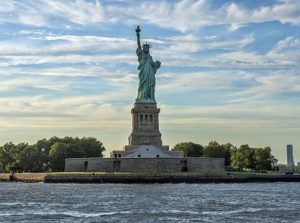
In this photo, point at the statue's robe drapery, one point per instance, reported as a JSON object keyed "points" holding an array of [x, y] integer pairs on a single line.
{"points": [[147, 69]]}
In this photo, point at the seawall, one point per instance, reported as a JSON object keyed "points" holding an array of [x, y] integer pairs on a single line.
{"points": [[143, 178], [23, 177], [5, 177]]}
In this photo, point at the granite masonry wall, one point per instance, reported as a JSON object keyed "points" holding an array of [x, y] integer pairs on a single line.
{"points": [[144, 165]]}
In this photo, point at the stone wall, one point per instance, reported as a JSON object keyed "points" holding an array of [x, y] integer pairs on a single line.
{"points": [[5, 177], [144, 165], [76, 164], [23, 177], [29, 177]]}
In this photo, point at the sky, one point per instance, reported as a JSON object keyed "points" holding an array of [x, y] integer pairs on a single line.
{"points": [[230, 70]]}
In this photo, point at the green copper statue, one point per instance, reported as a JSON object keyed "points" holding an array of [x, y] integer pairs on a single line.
{"points": [[147, 69]]}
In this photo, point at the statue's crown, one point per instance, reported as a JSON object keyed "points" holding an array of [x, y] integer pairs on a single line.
{"points": [[146, 44]]}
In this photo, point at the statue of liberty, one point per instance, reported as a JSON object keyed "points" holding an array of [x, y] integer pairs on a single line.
{"points": [[147, 69]]}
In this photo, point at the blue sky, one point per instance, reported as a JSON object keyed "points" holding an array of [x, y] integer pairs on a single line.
{"points": [[230, 70]]}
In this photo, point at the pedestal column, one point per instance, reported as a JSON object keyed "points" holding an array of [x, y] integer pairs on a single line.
{"points": [[145, 126]]}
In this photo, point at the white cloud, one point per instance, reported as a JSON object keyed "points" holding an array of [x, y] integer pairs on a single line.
{"points": [[203, 81], [67, 59], [79, 11], [187, 15], [6, 6], [284, 11], [191, 43], [172, 51], [182, 15], [31, 18], [288, 43], [283, 55], [17, 83], [268, 87], [71, 112], [52, 13], [52, 44], [236, 87]]}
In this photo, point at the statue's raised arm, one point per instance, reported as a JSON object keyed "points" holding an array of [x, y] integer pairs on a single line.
{"points": [[138, 30]]}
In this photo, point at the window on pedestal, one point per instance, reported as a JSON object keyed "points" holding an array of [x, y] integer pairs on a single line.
{"points": [[146, 118], [141, 118], [150, 118]]}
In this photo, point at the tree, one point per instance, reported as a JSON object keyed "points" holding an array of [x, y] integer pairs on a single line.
{"points": [[69, 147], [58, 154], [7, 156], [244, 157], [93, 147], [31, 159], [228, 147], [216, 150], [47, 155], [189, 149], [264, 159]]}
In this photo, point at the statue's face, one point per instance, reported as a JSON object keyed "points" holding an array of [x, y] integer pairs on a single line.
{"points": [[146, 49]]}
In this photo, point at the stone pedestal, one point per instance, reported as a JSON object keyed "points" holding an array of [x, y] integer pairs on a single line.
{"points": [[145, 138], [145, 126]]}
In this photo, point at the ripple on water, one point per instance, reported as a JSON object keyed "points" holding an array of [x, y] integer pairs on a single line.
{"points": [[277, 202]]}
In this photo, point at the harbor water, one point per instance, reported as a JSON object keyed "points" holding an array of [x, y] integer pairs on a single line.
{"points": [[249, 202]]}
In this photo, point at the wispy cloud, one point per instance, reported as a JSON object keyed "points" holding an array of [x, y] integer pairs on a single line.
{"points": [[52, 13], [179, 15], [190, 15]]}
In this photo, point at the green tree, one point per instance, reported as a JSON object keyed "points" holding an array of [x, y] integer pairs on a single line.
{"points": [[189, 149], [58, 154], [228, 147], [93, 147], [216, 150], [69, 147], [47, 155], [7, 156], [264, 159], [16, 151], [31, 159], [244, 157], [11, 156]]}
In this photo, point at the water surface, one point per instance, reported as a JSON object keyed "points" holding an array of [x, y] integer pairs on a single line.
{"points": [[253, 202]]}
